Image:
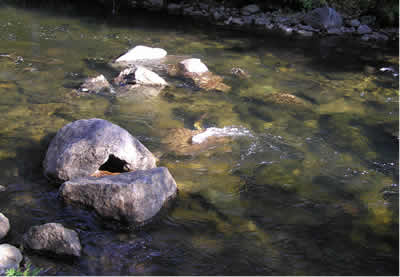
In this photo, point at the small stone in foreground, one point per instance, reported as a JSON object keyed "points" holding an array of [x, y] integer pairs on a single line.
{"points": [[54, 238], [10, 257]]}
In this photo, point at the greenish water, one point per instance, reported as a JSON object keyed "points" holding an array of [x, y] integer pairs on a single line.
{"points": [[313, 191]]}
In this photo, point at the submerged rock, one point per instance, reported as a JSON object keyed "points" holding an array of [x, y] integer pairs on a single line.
{"points": [[4, 226], [141, 52], [240, 73], [138, 75], [197, 72], [324, 18], [188, 142], [54, 238], [82, 147], [250, 9], [10, 257], [364, 29], [97, 84], [132, 198]]}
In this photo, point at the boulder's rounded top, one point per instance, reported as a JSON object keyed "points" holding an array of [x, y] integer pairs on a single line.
{"points": [[82, 147]]}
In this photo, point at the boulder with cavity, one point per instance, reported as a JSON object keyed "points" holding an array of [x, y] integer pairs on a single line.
{"points": [[84, 147]]}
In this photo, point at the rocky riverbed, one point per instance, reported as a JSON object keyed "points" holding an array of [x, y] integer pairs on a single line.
{"points": [[320, 22]]}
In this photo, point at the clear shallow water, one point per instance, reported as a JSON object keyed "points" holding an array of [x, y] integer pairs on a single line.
{"points": [[312, 191]]}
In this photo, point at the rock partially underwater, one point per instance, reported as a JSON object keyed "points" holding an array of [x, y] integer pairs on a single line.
{"points": [[198, 73], [132, 198]]}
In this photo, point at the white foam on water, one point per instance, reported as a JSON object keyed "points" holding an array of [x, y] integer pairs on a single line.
{"points": [[231, 131]]}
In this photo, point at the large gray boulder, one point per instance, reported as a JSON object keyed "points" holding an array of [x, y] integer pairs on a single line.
{"points": [[10, 257], [83, 147], [324, 18], [132, 198], [54, 238], [4, 226]]}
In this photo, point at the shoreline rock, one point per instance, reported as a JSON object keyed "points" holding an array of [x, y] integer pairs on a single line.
{"points": [[253, 18]]}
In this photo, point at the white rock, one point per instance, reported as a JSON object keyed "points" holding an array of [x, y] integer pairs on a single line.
{"points": [[193, 66], [141, 52], [144, 76], [10, 257]]}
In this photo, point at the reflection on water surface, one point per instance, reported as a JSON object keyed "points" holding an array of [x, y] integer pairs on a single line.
{"points": [[312, 191]]}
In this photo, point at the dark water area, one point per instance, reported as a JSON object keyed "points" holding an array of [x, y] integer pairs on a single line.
{"points": [[312, 190]]}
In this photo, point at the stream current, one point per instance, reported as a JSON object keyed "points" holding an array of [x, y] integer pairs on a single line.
{"points": [[309, 186]]}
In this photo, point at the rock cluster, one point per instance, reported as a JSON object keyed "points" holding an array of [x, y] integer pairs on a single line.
{"points": [[138, 76], [84, 152], [318, 22]]}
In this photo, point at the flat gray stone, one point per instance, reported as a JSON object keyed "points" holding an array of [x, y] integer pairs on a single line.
{"points": [[132, 198], [54, 238]]}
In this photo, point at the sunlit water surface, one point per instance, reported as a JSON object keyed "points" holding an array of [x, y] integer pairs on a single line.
{"points": [[309, 188]]}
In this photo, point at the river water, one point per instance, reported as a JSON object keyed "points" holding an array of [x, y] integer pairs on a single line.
{"points": [[310, 186]]}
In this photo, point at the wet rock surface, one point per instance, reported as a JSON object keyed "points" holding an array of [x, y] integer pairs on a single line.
{"points": [[82, 147], [4, 226], [53, 238], [138, 75], [141, 52], [132, 198], [324, 18], [97, 84], [10, 257], [196, 71]]}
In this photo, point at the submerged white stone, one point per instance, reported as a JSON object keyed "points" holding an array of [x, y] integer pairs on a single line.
{"points": [[230, 131], [141, 52]]}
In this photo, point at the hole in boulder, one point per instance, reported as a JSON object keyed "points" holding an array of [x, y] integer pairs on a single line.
{"points": [[113, 165]]}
